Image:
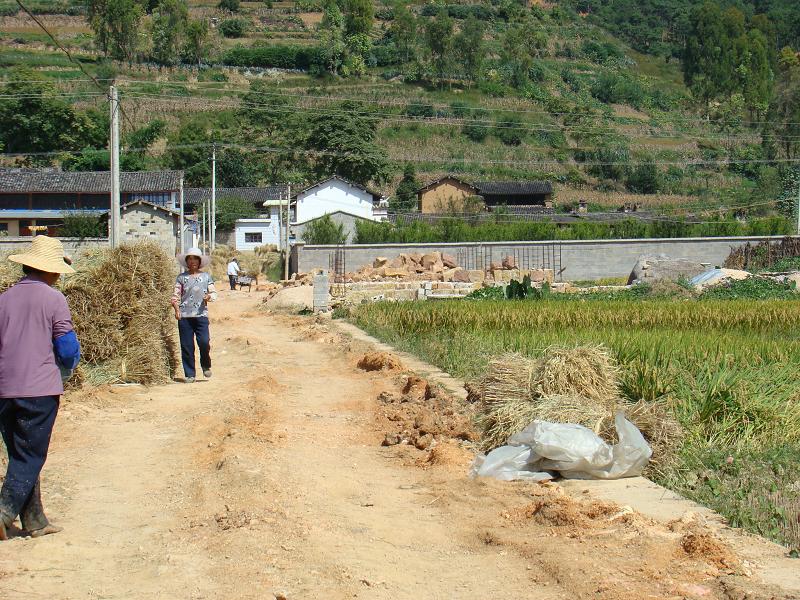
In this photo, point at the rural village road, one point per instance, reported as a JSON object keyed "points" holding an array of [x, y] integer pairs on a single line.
{"points": [[269, 481]]}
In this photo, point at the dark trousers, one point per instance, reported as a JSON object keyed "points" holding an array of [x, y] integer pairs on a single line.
{"points": [[26, 425], [190, 328], [232, 279]]}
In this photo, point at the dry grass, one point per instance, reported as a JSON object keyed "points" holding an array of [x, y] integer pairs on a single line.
{"points": [[254, 264], [567, 385]]}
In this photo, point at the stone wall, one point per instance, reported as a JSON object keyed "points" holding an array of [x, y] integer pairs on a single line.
{"points": [[372, 291], [579, 259], [143, 222]]}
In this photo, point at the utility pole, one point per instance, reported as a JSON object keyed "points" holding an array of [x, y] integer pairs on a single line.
{"points": [[114, 213], [797, 177], [213, 196], [288, 210], [203, 231], [181, 232]]}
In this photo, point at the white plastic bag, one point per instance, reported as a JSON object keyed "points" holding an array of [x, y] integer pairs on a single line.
{"points": [[572, 451]]}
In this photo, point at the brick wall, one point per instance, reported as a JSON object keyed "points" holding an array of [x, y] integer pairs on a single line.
{"points": [[141, 222]]}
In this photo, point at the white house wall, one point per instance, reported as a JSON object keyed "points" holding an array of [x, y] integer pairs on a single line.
{"points": [[333, 196], [270, 231]]}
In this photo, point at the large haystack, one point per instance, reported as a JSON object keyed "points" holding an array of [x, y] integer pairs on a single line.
{"points": [[566, 385], [256, 263], [120, 303]]}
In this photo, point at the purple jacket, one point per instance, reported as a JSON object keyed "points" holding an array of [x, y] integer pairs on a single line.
{"points": [[32, 314]]}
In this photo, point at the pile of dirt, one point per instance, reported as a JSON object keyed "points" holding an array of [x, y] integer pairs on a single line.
{"points": [[379, 361], [422, 416], [299, 297]]}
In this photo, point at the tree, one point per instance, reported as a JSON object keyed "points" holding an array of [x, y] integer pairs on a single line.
{"points": [[782, 130], [403, 31], [115, 24], [470, 47], [439, 39], [332, 45], [711, 57], [343, 145], [235, 170], [520, 44], [197, 43], [264, 113], [359, 15], [132, 156], [644, 179], [167, 30], [35, 118], [229, 5], [755, 73], [232, 208], [324, 231], [405, 196]]}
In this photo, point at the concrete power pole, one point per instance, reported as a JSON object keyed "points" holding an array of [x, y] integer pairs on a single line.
{"points": [[114, 213], [797, 177], [288, 218], [213, 196], [181, 232]]}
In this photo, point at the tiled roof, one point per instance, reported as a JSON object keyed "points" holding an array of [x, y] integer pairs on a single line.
{"points": [[43, 180], [256, 195], [523, 209], [514, 188]]}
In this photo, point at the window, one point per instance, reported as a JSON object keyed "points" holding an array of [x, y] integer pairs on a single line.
{"points": [[54, 201], [252, 237], [3, 227]]}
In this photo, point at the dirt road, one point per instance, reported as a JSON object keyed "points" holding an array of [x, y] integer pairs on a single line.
{"points": [[269, 481]]}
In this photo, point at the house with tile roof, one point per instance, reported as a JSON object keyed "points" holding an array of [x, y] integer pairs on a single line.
{"points": [[450, 194], [41, 197]]}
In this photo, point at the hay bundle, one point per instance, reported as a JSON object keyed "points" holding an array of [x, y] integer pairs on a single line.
{"points": [[252, 264], [584, 371], [567, 385], [120, 305]]}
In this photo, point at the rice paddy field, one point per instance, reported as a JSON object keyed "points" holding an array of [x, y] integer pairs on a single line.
{"points": [[727, 370]]}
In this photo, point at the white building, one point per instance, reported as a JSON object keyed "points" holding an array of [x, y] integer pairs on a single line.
{"points": [[266, 229], [337, 195]]}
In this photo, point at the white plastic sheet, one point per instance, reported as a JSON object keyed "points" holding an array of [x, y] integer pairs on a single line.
{"points": [[544, 450]]}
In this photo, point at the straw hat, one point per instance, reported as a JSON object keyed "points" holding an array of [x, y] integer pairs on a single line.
{"points": [[204, 260], [45, 254]]}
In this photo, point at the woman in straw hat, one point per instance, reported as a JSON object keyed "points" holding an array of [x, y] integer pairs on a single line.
{"points": [[36, 338], [194, 288]]}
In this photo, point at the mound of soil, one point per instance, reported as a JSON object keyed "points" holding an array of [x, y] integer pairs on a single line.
{"points": [[379, 361]]}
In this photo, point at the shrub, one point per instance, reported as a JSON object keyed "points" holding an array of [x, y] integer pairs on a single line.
{"points": [[510, 132], [229, 5], [233, 28], [278, 57], [644, 179], [83, 225], [324, 231], [475, 132], [420, 110]]}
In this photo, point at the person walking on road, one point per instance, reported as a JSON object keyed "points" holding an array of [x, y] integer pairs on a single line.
{"points": [[233, 272], [38, 351], [194, 289]]}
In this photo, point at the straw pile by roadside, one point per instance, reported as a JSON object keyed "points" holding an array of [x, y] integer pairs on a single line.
{"points": [[120, 306], [566, 385], [255, 264]]}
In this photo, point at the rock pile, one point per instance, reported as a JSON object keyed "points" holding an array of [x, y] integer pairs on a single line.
{"points": [[438, 266]]}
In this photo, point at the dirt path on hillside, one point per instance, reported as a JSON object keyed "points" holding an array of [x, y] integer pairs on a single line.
{"points": [[269, 480]]}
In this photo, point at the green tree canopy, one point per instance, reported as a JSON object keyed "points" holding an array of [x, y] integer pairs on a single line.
{"points": [[232, 208], [116, 25], [197, 42], [439, 38], [403, 31], [324, 231], [359, 15], [167, 30], [343, 143], [471, 49], [405, 196]]}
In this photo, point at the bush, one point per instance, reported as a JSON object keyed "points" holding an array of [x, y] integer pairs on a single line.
{"points": [[510, 132], [83, 225], [644, 179], [272, 57], [229, 5], [475, 132], [324, 231], [420, 110], [233, 28]]}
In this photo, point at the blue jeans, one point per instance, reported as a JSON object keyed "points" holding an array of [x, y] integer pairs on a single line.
{"points": [[190, 328], [26, 425]]}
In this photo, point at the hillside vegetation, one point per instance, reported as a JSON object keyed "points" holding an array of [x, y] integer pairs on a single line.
{"points": [[293, 91]]}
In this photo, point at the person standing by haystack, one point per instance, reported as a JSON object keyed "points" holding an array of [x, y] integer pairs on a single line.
{"points": [[233, 272], [38, 351], [194, 289]]}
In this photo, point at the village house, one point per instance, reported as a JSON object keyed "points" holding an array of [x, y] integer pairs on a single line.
{"points": [[338, 195], [143, 220], [41, 197], [452, 195]]}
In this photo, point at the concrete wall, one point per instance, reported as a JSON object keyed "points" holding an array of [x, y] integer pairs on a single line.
{"points": [[332, 196], [72, 246], [143, 222], [580, 259], [268, 228]]}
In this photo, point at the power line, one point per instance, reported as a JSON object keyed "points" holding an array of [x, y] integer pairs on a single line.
{"points": [[434, 121], [421, 102]]}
